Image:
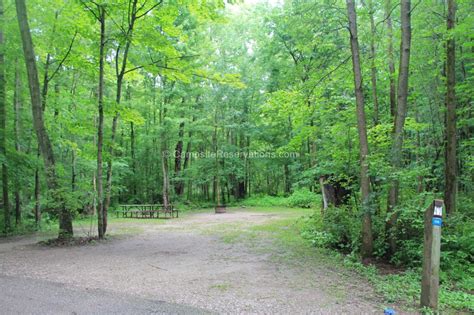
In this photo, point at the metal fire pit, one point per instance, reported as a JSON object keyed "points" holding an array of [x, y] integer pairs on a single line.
{"points": [[220, 209]]}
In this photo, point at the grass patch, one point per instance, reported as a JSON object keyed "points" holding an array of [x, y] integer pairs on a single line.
{"points": [[222, 287]]}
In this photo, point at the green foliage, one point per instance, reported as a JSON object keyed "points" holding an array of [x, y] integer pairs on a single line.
{"points": [[457, 252], [268, 78], [339, 229], [405, 287], [303, 198], [265, 201]]}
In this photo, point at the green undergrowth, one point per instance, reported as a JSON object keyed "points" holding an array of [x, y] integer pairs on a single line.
{"points": [[340, 233], [47, 227], [405, 288], [301, 198]]}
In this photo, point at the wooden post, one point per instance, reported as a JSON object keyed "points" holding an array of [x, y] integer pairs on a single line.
{"points": [[431, 255]]}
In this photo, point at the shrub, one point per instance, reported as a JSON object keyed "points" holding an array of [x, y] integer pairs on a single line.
{"points": [[338, 229], [303, 198], [265, 201]]}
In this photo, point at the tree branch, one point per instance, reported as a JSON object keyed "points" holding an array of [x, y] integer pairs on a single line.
{"points": [[90, 9], [153, 63], [414, 7], [64, 58], [117, 60], [388, 15], [329, 73], [149, 10]]}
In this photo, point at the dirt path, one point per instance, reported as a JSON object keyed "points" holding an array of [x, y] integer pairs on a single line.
{"points": [[188, 262]]}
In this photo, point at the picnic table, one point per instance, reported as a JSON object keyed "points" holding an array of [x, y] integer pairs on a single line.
{"points": [[146, 211]]}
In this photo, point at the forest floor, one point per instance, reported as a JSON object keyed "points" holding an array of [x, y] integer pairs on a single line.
{"points": [[244, 261]]}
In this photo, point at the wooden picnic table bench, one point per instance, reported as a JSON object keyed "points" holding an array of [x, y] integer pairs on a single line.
{"points": [[146, 211]]}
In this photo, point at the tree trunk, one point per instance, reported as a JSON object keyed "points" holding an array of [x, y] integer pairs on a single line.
{"points": [[44, 95], [373, 68], [241, 179], [334, 191], [367, 241], [133, 179], [187, 155], [133, 189], [65, 218], [100, 129], [391, 63], [37, 193], [402, 105], [17, 129], [94, 198], [451, 167], [73, 170], [328, 193], [164, 168], [3, 120], [187, 160], [120, 74], [179, 183], [419, 158], [164, 146], [286, 172], [217, 185]]}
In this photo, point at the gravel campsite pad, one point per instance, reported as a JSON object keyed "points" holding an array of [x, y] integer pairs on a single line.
{"points": [[185, 265]]}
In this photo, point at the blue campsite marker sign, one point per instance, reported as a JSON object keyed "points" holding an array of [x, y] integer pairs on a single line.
{"points": [[437, 221]]}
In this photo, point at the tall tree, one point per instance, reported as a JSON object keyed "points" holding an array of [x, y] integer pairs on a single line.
{"points": [[373, 67], [401, 113], [168, 89], [135, 12], [17, 101], [65, 218], [367, 240], [101, 211], [3, 120], [451, 156], [179, 184], [99, 13], [391, 62]]}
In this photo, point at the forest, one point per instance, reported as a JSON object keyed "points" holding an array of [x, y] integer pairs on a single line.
{"points": [[361, 111]]}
